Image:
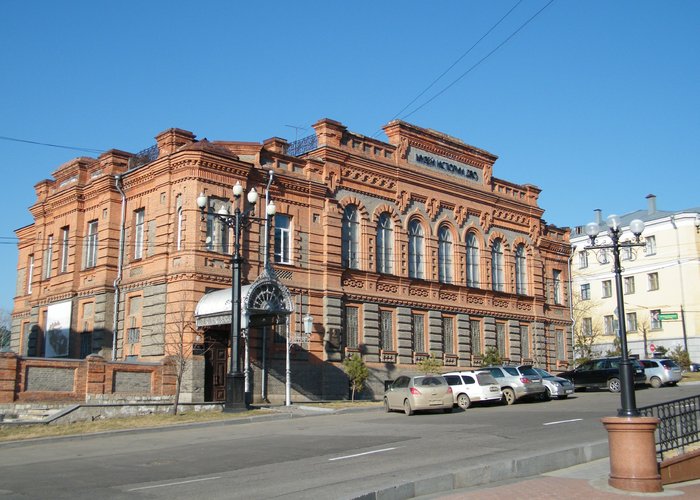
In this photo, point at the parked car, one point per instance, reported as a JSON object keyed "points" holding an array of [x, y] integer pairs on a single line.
{"points": [[603, 373], [412, 393], [661, 372], [555, 387], [517, 382], [694, 367], [473, 386]]}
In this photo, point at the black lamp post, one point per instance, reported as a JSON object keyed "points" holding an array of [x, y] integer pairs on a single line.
{"points": [[235, 378], [627, 396]]}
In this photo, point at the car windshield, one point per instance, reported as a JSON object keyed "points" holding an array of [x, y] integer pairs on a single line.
{"points": [[669, 363], [485, 378], [544, 373]]}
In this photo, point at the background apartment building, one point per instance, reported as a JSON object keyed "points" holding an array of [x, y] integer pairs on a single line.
{"points": [[397, 249], [660, 283]]}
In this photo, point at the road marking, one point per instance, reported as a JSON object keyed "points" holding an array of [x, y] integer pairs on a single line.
{"points": [[360, 454], [174, 484], [563, 421]]}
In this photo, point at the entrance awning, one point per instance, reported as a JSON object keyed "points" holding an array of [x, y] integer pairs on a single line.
{"points": [[215, 307], [264, 297]]}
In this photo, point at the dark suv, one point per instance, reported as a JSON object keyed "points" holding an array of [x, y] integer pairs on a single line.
{"points": [[603, 373]]}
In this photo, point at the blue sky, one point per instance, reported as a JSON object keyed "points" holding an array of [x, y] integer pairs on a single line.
{"points": [[597, 102]]}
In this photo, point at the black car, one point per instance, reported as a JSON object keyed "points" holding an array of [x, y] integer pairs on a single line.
{"points": [[602, 373]]}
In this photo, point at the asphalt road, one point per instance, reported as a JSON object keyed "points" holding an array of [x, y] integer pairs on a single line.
{"points": [[322, 456]]}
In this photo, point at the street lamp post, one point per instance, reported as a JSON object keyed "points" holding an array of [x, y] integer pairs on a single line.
{"points": [[235, 379], [627, 396]]}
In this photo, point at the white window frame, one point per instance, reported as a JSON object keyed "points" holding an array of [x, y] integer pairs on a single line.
{"points": [[631, 321], [472, 261], [586, 291], [650, 245], [48, 257], [629, 285], [445, 255], [497, 271], [653, 281], [91, 245], [283, 239], [65, 233], [30, 272], [351, 237], [139, 223], [583, 259], [178, 244], [385, 244], [520, 270], [416, 245], [606, 289], [556, 286]]}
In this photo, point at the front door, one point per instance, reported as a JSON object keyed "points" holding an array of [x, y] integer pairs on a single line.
{"points": [[215, 371]]}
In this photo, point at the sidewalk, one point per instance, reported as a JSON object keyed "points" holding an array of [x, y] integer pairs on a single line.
{"points": [[581, 482]]}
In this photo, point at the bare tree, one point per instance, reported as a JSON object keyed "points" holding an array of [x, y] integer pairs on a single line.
{"points": [[5, 330], [587, 328], [180, 340]]}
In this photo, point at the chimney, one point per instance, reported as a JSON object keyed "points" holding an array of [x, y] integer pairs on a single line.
{"points": [[651, 204], [598, 216]]}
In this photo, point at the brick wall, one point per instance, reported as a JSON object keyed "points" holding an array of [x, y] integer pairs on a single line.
{"points": [[43, 379]]}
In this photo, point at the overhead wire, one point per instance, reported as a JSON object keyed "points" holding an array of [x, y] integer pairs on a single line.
{"points": [[39, 143]]}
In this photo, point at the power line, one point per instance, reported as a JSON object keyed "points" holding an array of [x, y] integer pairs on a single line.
{"points": [[457, 61], [38, 143], [480, 60]]}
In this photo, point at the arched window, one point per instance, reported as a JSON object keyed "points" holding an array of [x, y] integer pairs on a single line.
{"points": [[472, 261], [385, 244], [179, 228], [497, 276], [351, 238], [520, 270], [444, 255], [415, 249]]}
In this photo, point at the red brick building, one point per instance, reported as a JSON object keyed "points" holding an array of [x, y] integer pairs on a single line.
{"points": [[397, 250]]}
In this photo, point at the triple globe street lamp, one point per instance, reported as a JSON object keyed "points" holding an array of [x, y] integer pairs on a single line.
{"points": [[627, 396], [235, 379]]}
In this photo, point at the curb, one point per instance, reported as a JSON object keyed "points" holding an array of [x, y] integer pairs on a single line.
{"points": [[514, 468]]}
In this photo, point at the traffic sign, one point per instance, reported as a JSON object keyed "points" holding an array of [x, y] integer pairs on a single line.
{"points": [[652, 347], [667, 316]]}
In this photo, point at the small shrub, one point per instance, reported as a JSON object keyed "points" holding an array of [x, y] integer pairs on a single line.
{"points": [[492, 357], [357, 372], [430, 365]]}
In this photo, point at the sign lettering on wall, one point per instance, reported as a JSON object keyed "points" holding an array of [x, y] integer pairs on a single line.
{"points": [[456, 168]]}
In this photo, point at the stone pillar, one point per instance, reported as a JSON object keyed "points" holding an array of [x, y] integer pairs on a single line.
{"points": [[435, 334], [633, 465], [96, 376], [464, 339], [370, 328], [8, 376], [404, 345]]}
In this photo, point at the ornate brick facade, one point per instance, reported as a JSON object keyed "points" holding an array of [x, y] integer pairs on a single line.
{"points": [[397, 249]]}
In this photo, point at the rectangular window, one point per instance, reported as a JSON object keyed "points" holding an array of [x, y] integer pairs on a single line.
{"points": [[650, 245], [64, 249], [448, 341], [583, 259], [629, 285], [626, 253], [586, 291], [86, 322], [283, 239], [556, 286], [652, 281], [133, 332], [386, 328], [180, 222], [587, 327], [418, 323], [30, 273], [561, 345], [217, 229], [525, 341], [631, 321], [475, 336], [655, 322], [91, 245], [501, 339], [48, 257], [609, 324], [351, 327], [607, 289], [139, 219], [603, 256]]}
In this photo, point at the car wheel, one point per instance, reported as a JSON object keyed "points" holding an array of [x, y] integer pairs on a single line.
{"points": [[463, 401], [655, 382], [546, 395], [614, 385], [407, 408], [508, 396], [386, 405]]}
